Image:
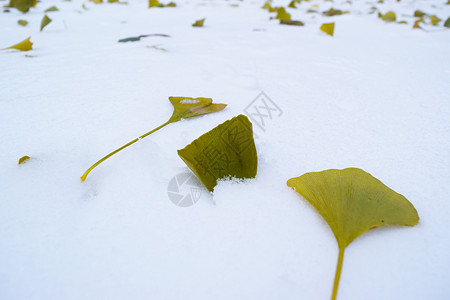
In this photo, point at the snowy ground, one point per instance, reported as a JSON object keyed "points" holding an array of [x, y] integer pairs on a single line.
{"points": [[374, 96]]}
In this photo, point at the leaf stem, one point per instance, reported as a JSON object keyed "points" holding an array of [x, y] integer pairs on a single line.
{"points": [[83, 178], [338, 273]]}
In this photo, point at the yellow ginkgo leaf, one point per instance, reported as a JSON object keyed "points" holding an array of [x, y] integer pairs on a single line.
{"points": [[328, 28], [25, 45], [282, 14], [199, 23], [23, 159], [389, 17], [352, 202], [22, 5]]}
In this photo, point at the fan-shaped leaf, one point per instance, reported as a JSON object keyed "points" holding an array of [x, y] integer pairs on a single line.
{"points": [[328, 28], [282, 14], [352, 202], [228, 150], [199, 23], [25, 45], [22, 22], [45, 21], [22, 5], [389, 17]]}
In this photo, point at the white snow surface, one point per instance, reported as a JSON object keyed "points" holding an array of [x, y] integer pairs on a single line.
{"points": [[375, 96]]}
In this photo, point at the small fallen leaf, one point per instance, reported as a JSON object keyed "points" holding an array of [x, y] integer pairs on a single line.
{"points": [[334, 12], [228, 150], [417, 23], [22, 5], [52, 8], [22, 22], [292, 22], [402, 22], [292, 4], [353, 202], [199, 23], [25, 45], [23, 159], [97, 1], [447, 23], [282, 14], [389, 17], [419, 13], [184, 107], [154, 3], [45, 21], [434, 20], [328, 28]]}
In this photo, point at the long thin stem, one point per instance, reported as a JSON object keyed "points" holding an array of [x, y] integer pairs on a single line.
{"points": [[83, 178], [338, 273]]}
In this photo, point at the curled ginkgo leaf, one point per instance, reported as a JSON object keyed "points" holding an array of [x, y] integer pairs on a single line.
{"points": [[184, 107], [228, 150], [352, 202], [22, 5], [23, 159], [25, 45], [45, 21]]}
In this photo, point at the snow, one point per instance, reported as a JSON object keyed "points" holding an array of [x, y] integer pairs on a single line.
{"points": [[374, 96]]}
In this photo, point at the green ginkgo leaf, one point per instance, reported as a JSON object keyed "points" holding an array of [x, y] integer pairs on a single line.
{"points": [[199, 23], [352, 202], [334, 12], [25, 45], [447, 23], [328, 28], [22, 22], [228, 150], [184, 107], [292, 22], [434, 20], [419, 13], [45, 21], [23, 159], [282, 14], [52, 8], [389, 17], [22, 5]]}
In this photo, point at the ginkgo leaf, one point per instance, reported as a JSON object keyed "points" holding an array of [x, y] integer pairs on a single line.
{"points": [[45, 21], [184, 107], [282, 14], [22, 22], [328, 28], [447, 23], [228, 150], [25, 45], [352, 202], [97, 1], [389, 17], [52, 8], [199, 23], [292, 4], [434, 20], [334, 12], [419, 13], [22, 5], [23, 159], [154, 3], [292, 22]]}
